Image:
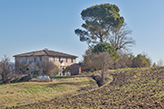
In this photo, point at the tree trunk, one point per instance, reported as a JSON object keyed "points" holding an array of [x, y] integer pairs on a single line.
{"points": [[101, 39], [30, 74]]}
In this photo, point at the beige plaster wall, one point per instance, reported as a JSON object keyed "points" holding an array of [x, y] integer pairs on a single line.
{"points": [[56, 61], [45, 58]]}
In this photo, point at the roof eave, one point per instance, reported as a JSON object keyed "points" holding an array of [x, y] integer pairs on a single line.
{"points": [[46, 55]]}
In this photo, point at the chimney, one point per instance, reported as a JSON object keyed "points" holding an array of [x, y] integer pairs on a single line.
{"points": [[46, 49]]}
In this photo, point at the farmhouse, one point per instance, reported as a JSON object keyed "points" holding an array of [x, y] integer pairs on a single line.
{"points": [[62, 60]]}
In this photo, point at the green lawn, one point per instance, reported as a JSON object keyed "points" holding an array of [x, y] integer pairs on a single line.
{"points": [[30, 92], [130, 89]]}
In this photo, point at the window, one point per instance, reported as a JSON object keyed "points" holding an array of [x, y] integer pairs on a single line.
{"points": [[40, 59], [35, 60], [20, 60], [71, 60], [66, 60], [40, 63], [53, 59], [59, 59], [27, 60]]}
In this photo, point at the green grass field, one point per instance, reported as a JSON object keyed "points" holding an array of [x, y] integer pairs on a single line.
{"points": [[139, 88], [30, 92]]}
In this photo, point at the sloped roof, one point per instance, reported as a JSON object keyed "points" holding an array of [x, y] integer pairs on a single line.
{"points": [[45, 52]]}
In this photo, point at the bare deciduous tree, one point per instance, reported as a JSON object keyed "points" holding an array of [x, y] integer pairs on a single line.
{"points": [[22, 68], [87, 59], [6, 70], [50, 68], [124, 62], [33, 68], [102, 62], [120, 38], [160, 62]]}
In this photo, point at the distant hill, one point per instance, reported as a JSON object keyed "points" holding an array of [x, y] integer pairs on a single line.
{"points": [[130, 88]]}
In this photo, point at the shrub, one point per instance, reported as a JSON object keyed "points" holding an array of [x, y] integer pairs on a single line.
{"points": [[106, 47], [50, 68], [141, 61]]}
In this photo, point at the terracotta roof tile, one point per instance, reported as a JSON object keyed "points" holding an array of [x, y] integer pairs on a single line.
{"points": [[45, 52]]}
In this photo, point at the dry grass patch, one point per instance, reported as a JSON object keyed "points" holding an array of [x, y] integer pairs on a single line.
{"points": [[29, 92], [138, 88]]}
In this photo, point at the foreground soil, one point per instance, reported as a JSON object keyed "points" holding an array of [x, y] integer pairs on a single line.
{"points": [[130, 88]]}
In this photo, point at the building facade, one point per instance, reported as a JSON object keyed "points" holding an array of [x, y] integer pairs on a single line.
{"points": [[60, 59]]}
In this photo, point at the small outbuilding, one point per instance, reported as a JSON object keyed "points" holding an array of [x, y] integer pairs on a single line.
{"points": [[76, 68]]}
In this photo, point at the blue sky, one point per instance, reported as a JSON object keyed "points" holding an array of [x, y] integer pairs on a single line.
{"points": [[29, 25]]}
